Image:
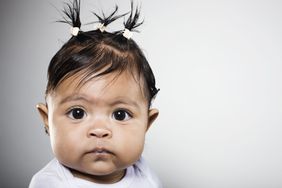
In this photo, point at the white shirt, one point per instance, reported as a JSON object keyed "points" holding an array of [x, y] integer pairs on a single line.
{"points": [[56, 175]]}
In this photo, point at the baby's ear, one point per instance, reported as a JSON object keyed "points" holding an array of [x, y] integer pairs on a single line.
{"points": [[153, 114], [43, 111]]}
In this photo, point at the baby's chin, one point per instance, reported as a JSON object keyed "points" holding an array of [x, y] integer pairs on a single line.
{"points": [[101, 175]]}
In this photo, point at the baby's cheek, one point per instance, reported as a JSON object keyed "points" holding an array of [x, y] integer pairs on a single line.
{"points": [[61, 145], [132, 148]]}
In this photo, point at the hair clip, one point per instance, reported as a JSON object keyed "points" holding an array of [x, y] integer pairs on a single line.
{"points": [[127, 33], [74, 31], [101, 27]]}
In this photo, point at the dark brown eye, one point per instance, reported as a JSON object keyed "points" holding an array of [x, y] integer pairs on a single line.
{"points": [[76, 113], [121, 115]]}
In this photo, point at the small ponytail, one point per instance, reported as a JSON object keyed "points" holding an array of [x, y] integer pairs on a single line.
{"points": [[72, 16], [132, 22], [111, 18]]}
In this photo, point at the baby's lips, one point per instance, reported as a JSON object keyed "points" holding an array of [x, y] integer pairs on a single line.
{"points": [[101, 150]]}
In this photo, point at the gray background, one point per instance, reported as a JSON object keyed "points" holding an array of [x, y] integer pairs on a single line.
{"points": [[218, 64]]}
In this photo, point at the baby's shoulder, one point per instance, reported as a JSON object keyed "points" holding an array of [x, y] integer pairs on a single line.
{"points": [[49, 176]]}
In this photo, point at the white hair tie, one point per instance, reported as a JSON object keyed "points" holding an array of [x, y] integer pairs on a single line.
{"points": [[101, 27], [127, 33], [74, 31]]}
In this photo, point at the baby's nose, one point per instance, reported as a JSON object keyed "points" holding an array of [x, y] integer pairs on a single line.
{"points": [[100, 133]]}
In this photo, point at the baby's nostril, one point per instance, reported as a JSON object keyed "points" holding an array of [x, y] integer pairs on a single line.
{"points": [[99, 133], [92, 134]]}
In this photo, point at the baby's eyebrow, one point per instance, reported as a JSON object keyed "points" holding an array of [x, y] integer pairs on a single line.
{"points": [[73, 98], [117, 101], [126, 102]]}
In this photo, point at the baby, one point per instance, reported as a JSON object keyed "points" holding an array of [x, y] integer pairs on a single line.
{"points": [[98, 108]]}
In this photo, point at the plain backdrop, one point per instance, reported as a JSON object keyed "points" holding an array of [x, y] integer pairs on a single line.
{"points": [[218, 64]]}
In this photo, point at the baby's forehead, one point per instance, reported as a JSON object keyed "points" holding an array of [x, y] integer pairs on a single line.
{"points": [[108, 86]]}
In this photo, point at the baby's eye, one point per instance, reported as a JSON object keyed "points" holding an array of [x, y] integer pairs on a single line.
{"points": [[76, 113], [121, 115]]}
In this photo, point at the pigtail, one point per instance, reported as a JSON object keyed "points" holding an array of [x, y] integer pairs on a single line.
{"points": [[72, 16], [132, 22], [111, 18]]}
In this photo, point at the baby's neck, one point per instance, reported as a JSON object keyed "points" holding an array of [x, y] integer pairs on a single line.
{"points": [[101, 179]]}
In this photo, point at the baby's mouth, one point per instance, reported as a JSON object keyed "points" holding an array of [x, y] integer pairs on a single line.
{"points": [[101, 152]]}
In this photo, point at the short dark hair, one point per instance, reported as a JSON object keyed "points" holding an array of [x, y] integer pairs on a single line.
{"points": [[96, 51]]}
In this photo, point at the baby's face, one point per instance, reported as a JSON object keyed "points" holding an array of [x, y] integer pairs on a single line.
{"points": [[98, 130]]}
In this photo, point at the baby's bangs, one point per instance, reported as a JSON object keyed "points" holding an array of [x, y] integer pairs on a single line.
{"points": [[107, 62]]}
